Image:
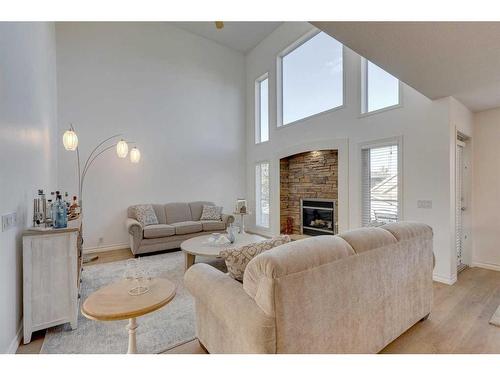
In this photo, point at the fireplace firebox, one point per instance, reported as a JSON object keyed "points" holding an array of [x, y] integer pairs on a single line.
{"points": [[318, 216]]}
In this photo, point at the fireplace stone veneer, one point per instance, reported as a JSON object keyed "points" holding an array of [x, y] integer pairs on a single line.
{"points": [[308, 175]]}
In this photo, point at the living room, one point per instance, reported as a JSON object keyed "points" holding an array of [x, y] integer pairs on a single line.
{"points": [[222, 169]]}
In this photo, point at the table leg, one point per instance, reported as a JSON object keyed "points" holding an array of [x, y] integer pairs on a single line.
{"points": [[132, 341], [188, 260]]}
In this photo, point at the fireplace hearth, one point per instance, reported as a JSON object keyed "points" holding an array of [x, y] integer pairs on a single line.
{"points": [[318, 216]]}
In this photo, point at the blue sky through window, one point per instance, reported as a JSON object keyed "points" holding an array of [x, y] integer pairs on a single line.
{"points": [[382, 88], [312, 78]]}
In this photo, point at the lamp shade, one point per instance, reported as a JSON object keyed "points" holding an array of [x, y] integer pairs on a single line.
{"points": [[135, 155], [70, 140], [122, 149]]}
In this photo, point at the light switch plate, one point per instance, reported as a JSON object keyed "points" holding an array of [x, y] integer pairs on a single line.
{"points": [[9, 221], [424, 204]]}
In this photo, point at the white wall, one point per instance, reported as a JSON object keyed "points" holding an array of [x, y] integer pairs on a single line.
{"points": [[486, 187], [178, 95], [27, 131], [422, 123]]}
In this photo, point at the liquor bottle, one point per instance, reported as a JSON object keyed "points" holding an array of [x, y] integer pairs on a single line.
{"points": [[59, 213], [66, 200], [74, 209]]}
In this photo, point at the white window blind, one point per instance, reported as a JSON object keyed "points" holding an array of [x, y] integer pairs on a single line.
{"points": [[380, 187], [262, 194]]}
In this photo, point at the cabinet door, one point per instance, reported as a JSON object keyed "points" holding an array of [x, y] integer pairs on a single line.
{"points": [[53, 278]]}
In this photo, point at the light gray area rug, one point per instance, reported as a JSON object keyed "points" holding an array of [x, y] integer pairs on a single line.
{"points": [[495, 319], [172, 325]]}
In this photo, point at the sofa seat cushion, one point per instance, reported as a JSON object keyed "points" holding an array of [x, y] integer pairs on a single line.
{"points": [[213, 225], [185, 227], [158, 231]]}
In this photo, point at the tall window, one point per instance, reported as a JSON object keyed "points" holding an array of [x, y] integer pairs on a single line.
{"points": [[311, 79], [262, 109], [380, 185], [262, 194], [380, 89]]}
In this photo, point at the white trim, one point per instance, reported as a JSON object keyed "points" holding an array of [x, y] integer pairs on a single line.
{"points": [[398, 140], [444, 279], [488, 266], [102, 249], [16, 341], [279, 79]]}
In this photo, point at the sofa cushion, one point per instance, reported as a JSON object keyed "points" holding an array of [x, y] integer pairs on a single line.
{"points": [[211, 213], [213, 225], [145, 214], [197, 208], [186, 227], [177, 212], [366, 239], [158, 230], [238, 258]]}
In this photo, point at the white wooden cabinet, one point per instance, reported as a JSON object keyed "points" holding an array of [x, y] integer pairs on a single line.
{"points": [[51, 272]]}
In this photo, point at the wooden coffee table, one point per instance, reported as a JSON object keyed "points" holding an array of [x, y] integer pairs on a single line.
{"points": [[200, 246], [113, 302]]}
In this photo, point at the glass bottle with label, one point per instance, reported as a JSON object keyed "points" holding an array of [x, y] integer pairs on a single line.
{"points": [[59, 213]]}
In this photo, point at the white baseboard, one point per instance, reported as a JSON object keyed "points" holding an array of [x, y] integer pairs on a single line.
{"points": [[101, 249], [445, 280], [488, 266], [16, 341]]}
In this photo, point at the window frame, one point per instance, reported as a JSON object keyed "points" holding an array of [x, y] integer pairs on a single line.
{"points": [[279, 80], [364, 92], [376, 144], [257, 116], [257, 201]]}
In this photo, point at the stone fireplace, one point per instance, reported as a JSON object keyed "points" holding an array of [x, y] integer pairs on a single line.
{"points": [[311, 178]]}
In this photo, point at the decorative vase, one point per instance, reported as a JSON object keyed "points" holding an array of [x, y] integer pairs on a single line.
{"points": [[230, 233]]}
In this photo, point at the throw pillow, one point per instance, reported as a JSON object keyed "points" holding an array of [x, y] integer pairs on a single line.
{"points": [[238, 258], [145, 214], [211, 213]]}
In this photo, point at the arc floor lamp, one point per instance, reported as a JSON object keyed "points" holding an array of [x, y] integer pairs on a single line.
{"points": [[70, 142]]}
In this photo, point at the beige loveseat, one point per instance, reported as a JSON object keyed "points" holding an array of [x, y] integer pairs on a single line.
{"points": [[350, 293], [177, 222]]}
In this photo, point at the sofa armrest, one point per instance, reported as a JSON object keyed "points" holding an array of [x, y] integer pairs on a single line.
{"points": [[235, 310], [227, 219], [134, 228]]}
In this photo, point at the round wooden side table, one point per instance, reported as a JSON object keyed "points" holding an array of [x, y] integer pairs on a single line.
{"points": [[113, 302]]}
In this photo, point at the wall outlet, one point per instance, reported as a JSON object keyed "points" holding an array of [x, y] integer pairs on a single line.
{"points": [[424, 204], [9, 221]]}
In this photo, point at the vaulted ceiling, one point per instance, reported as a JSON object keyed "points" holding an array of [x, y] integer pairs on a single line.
{"points": [[439, 59], [242, 36]]}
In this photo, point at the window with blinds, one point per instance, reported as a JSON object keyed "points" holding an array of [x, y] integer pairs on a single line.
{"points": [[380, 185], [262, 194]]}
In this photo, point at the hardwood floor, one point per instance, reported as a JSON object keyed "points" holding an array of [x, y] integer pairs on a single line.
{"points": [[458, 322]]}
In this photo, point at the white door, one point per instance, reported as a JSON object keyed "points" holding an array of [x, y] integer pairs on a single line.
{"points": [[460, 205]]}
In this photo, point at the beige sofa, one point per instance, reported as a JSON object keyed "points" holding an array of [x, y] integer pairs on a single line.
{"points": [[350, 293], [177, 222]]}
